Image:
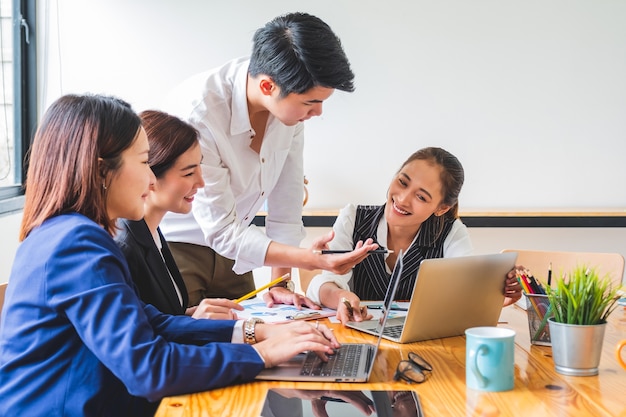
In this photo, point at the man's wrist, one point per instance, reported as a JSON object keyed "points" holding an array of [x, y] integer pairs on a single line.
{"points": [[288, 284]]}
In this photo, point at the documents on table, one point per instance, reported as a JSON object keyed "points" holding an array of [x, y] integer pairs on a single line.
{"points": [[280, 313], [398, 309]]}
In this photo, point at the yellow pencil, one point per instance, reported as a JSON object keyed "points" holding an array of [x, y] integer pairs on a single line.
{"points": [[258, 290]]}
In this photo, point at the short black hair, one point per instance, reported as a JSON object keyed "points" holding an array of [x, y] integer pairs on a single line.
{"points": [[300, 51]]}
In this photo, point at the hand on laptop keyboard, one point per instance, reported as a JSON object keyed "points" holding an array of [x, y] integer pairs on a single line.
{"points": [[302, 337]]}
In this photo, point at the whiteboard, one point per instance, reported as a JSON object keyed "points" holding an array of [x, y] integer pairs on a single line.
{"points": [[529, 95]]}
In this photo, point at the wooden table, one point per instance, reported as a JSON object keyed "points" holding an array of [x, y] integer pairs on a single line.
{"points": [[539, 390]]}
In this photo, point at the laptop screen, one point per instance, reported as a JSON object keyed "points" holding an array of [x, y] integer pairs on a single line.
{"points": [[391, 293]]}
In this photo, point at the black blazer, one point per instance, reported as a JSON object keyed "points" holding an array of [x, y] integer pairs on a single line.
{"points": [[147, 269]]}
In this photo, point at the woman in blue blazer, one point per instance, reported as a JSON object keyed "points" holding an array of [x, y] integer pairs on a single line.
{"points": [[174, 158], [75, 340]]}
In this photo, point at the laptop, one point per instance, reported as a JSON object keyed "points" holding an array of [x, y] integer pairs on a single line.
{"points": [[353, 362], [450, 295]]}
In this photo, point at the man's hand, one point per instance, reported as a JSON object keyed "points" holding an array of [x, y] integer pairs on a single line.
{"points": [[281, 295]]}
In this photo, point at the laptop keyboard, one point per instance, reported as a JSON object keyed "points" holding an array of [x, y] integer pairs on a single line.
{"points": [[343, 363], [393, 331]]}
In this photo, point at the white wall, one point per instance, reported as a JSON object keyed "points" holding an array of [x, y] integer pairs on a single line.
{"points": [[10, 226], [485, 240], [530, 95]]}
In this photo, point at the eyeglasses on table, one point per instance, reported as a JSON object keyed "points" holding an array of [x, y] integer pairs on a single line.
{"points": [[413, 370]]}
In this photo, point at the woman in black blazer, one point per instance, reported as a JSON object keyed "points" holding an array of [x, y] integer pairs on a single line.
{"points": [[175, 158]]}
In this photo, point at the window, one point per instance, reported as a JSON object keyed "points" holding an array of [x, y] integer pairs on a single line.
{"points": [[18, 99]]}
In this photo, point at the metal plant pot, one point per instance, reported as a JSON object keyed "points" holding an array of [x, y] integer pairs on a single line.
{"points": [[576, 349]]}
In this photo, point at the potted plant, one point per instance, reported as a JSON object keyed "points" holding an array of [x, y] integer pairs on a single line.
{"points": [[581, 303]]}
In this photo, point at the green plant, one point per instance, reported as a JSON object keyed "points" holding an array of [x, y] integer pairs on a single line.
{"points": [[583, 297]]}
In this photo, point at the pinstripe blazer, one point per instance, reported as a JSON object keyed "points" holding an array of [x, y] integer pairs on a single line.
{"points": [[370, 278]]}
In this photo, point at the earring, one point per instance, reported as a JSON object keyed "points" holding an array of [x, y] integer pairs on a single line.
{"points": [[104, 186]]}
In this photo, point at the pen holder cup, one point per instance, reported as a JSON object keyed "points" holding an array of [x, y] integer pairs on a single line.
{"points": [[538, 309]]}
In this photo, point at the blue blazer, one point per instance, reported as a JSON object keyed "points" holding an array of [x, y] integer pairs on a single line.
{"points": [[75, 340], [147, 269]]}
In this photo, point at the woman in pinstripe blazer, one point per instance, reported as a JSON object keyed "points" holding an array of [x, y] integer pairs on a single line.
{"points": [[420, 217]]}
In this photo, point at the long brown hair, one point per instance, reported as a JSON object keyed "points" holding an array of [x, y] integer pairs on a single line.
{"points": [[76, 147], [169, 138]]}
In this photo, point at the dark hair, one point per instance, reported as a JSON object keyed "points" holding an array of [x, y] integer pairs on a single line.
{"points": [[299, 51], [169, 138], [452, 175], [78, 143]]}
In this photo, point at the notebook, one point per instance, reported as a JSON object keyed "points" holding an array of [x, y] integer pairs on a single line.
{"points": [[353, 362], [449, 296]]}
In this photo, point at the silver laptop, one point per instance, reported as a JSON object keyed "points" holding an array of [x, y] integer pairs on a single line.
{"points": [[449, 296], [353, 362]]}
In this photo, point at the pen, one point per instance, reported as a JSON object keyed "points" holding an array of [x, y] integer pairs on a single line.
{"points": [[337, 400], [393, 307], [350, 308], [521, 279], [523, 282], [534, 284], [304, 316], [327, 252], [258, 290], [550, 274]]}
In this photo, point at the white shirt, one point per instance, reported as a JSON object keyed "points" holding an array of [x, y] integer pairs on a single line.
{"points": [[157, 242], [238, 180], [457, 243]]}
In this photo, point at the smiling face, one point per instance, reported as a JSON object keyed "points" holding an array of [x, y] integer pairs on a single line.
{"points": [[127, 188], [415, 194], [174, 191], [294, 107]]}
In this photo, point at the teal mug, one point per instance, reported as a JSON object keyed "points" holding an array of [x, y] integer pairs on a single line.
{"points": [[489, 358]]}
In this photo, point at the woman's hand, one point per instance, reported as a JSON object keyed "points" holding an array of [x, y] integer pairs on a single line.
{"points": [[280, 342], [215, 309], [512, 287], [349, 308]]}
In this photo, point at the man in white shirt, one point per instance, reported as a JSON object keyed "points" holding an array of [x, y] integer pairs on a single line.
{"points": [[249, 113]]}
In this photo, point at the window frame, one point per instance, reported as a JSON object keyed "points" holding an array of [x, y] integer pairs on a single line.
{"points": [[24, 20]]}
